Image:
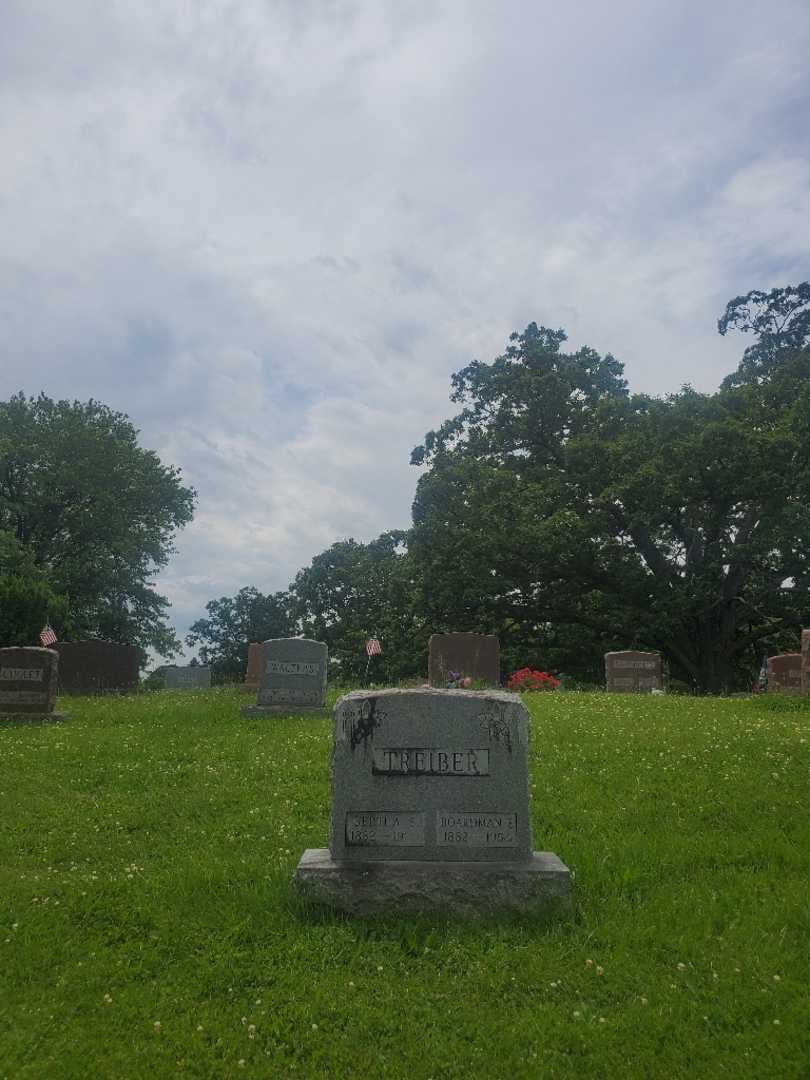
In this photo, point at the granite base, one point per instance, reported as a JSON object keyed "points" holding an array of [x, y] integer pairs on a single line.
{"points": [[280, 710], [540, 885]]}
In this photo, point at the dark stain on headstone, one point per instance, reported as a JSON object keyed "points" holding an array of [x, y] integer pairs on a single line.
{"points": [[365, 720], [497, 727]]}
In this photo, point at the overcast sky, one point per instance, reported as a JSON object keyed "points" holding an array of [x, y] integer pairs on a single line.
{"points": [[270, 231]]}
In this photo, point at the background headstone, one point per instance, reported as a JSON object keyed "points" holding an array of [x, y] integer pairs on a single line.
{"points": [[28, 682], [93, 667], [634, 671], [192, 677], [293, 676], [476, 655], [430, 807], [785, 673], [253, 674], [806, 661]]}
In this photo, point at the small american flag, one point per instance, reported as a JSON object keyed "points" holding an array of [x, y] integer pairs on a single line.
{"points": [[47, 636], [373, 647]]}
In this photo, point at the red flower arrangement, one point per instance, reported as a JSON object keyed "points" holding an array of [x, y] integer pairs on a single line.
{"points": [[526, 679]]}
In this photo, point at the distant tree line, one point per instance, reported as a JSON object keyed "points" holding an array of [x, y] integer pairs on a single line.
{"points": [[571, 517], [557, 510]]}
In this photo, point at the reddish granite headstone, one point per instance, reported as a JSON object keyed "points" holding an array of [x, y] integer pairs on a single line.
{"points": [[28, 681], [806, 661], [476, 655], [93, 667], [785, 673], [253, 675], [632, 671]]}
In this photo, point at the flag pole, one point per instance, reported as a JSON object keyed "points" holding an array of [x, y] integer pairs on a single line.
{"points": [[371, 651]]}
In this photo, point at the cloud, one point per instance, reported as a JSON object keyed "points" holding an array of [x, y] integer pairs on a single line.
{"points": [[270, 232]]}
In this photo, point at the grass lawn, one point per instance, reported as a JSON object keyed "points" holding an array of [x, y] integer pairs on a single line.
{"points": [[147, 926]]}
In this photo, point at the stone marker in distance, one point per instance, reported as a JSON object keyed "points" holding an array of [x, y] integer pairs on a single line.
{"points": [[785, 673], [28, 681], [476, 655], [97, 667], [293, 677], [192, 677], [806, 661], [430, 808], [633, 671], [253, 674]]}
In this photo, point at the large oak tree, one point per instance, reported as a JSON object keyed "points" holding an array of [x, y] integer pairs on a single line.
{"points": [[558, 504]]}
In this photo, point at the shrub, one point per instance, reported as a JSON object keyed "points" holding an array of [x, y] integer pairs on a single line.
{"points": [[526, 679]]}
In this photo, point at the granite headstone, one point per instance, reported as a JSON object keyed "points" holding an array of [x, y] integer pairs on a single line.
{"points": [[28, 683], [253, 674], [474, 655], [430, 808], [192, 677], [95, 667], [293, 677], [785, 673], [633, 671], [806, 661]]}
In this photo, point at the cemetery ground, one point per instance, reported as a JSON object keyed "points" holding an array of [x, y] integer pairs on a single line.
{"points": [[148, 928]]}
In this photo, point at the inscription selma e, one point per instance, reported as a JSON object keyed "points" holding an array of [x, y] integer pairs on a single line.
{"points": [[429, 761], [21, 674], [372, 829], [636, 665]]}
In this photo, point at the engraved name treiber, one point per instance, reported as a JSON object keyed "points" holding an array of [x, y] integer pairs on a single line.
{"points": [[429, 761]]}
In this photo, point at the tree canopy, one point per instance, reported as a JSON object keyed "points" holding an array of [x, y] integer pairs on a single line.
{"points": [[233, 622], [780, 320], [352, 591], [94, 512], [26, 600], [556, 501]]}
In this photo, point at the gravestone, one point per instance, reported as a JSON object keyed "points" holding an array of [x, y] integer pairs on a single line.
{"points": [[785, 673], [192, 677], [430, 808], [475, 655], [632, 671], [293, 677], [806, 661], [95, 667], [28, 682], [254, 667]]}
